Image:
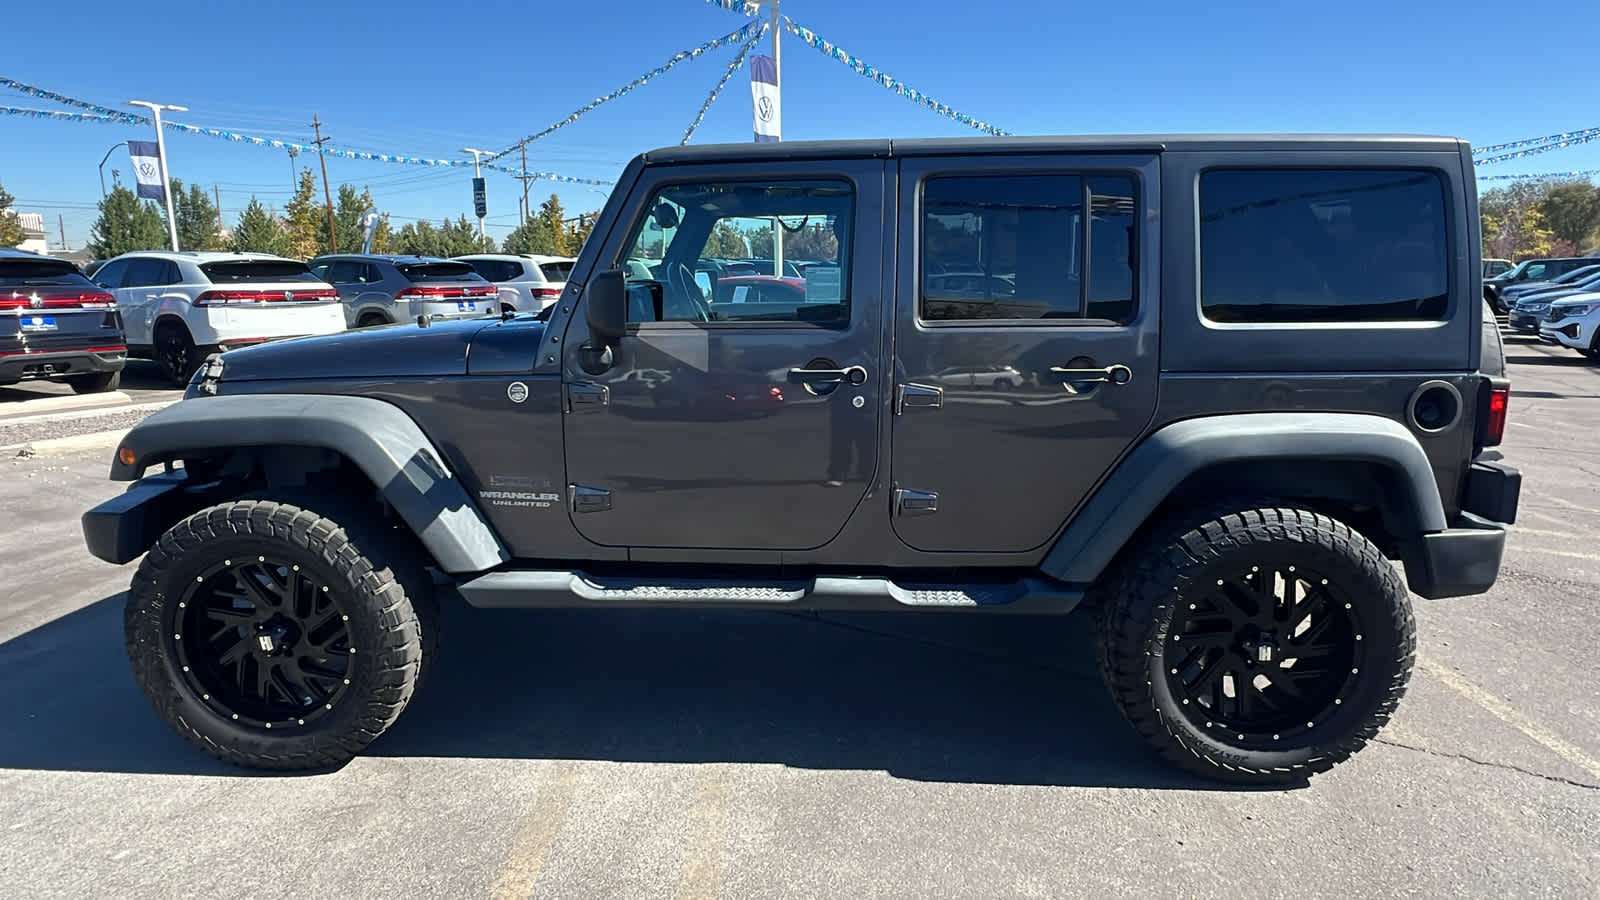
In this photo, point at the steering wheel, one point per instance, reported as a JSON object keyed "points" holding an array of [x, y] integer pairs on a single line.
{"points": [[684, 276]]}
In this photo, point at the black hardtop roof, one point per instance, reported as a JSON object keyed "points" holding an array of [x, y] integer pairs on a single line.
{"points": [[968, 146]]}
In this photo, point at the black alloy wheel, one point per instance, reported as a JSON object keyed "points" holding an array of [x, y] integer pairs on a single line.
{"points": [[1265, 654], [263, 642]]}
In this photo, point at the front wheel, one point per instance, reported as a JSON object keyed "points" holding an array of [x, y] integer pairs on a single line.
{"points": [[265, 636], [1257, 646]]}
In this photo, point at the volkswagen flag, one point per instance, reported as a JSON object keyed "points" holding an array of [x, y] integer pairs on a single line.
{"points": [[764, 91], [147, 168]]}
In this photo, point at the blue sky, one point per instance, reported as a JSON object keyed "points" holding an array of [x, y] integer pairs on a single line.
{"points": [[428, 79]]}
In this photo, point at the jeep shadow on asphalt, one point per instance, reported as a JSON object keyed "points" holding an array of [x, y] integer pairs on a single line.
{"points": [[989, 700]]}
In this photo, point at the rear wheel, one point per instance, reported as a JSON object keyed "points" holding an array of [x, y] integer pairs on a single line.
{"points": [[371, 320], [176, 352], [97, 383], [1257, 646], [267, 637]]}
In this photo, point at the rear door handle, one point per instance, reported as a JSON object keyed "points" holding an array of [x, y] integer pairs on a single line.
{"points": [[1115, 374], [851, 374]]}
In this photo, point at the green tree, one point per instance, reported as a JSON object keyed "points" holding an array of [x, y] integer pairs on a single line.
{"points": [[305, 219], [126, 223], [348, 209], [726, 242], [198, 223], [530, 237], [418, 239], [260, 230], [553, 218], [461, 236], [10, 229], [1572, 211]]}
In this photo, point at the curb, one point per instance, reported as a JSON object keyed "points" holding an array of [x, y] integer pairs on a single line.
{"points": [[94, 440]]}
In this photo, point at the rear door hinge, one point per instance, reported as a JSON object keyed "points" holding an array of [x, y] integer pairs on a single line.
{"points": [[587, 499], [916, 503]]}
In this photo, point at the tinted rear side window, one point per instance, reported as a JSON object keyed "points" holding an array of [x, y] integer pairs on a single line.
{"points": [[556, 271], [1020, 247], [257, 270], [424, 273], [40, 272], [496, 269], [1323, 245]]}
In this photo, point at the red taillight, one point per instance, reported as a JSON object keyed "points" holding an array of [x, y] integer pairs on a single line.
{"points": [[117, 349], [547, 293], [458, 292], [1494, 424], [239, 298], [57, 300]]}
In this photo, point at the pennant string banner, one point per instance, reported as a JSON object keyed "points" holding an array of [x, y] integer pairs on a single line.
{"points": [[1528, 142], [112, 116], [733, 67], [732, 37], [1531, 151], [741, 7], [834, 51], [109, 114], [1542, 176]]}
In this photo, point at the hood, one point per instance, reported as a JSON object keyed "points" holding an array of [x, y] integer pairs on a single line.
{"points": [[1579, 298], [387, 352]]}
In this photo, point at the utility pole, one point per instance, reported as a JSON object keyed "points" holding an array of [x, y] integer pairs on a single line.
{"points": [[161, 156], [217, 189], [333, 241], [526, 179], [61, 221], [477, 177], [294, 175]]}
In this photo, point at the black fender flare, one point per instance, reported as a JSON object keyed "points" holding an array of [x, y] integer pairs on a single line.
{"points": [[1163, 460], [377, 437]]}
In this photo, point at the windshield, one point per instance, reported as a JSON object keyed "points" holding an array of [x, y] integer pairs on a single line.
{"points": [[241, 271], [37, 273], [433, 272]]}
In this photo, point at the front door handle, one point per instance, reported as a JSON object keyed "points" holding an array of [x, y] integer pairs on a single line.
{"points": [[851, 374], [1115, 374]]}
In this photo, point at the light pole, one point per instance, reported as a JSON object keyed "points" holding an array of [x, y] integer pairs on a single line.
{"points": [[477, 177], [103, 167], [161, 155]]}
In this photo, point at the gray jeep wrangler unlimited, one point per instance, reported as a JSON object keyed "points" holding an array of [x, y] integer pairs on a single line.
{"points": [[1207, 387]]}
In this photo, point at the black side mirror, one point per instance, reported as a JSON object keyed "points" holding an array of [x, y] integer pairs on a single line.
{"points": [[606, 307]]}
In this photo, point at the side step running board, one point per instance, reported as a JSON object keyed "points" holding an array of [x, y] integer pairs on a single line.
{"points": [[545, 588]]}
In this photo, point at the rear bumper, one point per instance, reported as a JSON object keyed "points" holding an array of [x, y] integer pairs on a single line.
{"points": [[1465, 558], [16, 367]]}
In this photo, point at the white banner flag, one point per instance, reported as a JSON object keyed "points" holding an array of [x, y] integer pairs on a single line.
{"points": [[147, 169], [764, 91]]}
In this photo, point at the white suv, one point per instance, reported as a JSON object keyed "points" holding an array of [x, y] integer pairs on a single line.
{"points": [[527, 281], [179, 307], [1573, 322]]}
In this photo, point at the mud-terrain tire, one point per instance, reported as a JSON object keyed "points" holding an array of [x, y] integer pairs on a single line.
{"points": [[303, 605], [1346, 625]]}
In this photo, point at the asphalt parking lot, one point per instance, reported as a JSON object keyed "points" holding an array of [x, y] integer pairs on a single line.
{"points": [[627, 754]]}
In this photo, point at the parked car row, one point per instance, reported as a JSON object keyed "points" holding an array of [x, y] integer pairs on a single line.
{"points": [[1530, 271], [179, 307]]}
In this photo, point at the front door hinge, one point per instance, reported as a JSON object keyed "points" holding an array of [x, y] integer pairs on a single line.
{"points": [[586, 395], [916, 503], [587, 499]]}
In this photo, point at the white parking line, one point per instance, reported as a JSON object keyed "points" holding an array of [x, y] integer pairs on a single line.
{"points": [[1505, 713], [91, 441]]}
